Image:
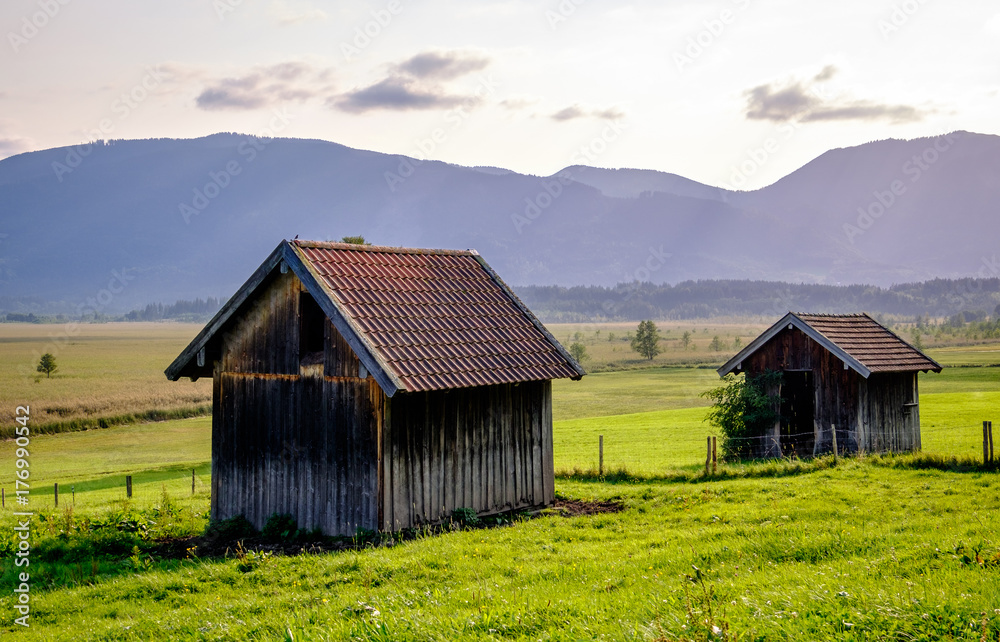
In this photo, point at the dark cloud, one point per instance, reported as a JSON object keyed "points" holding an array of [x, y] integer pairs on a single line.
{"points": [[442, 65], [805, 101], [576, 111], [568, 113], [414, 84], [397, 93], [265, 86], [863, 110]]}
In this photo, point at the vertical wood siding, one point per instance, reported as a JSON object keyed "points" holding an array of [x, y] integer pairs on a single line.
{"points": [[486, 448], [293, 439], [869, 415]]}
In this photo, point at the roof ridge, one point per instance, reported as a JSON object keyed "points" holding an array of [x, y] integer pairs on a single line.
{"points": [[355, 247]]}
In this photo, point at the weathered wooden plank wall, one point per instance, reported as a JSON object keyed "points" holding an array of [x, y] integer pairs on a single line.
{"points": [[890, 424], [293, 438], [870, 415], [486, 448]]}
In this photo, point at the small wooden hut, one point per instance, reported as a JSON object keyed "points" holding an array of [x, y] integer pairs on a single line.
{"points": [[846, 373], [361, 387]]}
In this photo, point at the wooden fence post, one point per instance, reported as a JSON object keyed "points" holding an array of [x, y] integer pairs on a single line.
{"points": [[992, 460], [600, 455], [55, 493], [708, 455], [715, 457], [192, 481], [833, 430], [72, 489], [3, 497], [986, 443], [128, 486]]}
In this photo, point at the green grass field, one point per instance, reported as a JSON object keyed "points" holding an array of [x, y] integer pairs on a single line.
{"points": [[877, 548]]}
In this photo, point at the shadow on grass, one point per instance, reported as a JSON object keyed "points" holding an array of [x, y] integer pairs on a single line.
{"points": [[788, 467]]}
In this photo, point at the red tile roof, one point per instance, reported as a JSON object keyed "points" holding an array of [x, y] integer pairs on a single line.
{"points": [[439, 319], [869, 342], [859, 340]]}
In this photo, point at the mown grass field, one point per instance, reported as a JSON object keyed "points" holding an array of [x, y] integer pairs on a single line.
{"points": [[877, 548]]}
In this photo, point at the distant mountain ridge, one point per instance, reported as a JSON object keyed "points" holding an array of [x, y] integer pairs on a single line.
{"points": [[134, 222]]}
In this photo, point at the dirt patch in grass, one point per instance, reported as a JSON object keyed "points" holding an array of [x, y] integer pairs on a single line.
{"points": [[577, 507]]}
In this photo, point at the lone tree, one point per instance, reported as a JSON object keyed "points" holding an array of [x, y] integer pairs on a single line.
{"points": [[47, 364], [686, 339], [579, 351], [647, 340]]}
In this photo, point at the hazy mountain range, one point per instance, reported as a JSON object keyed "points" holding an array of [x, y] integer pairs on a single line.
{"points": [[126, 223]]}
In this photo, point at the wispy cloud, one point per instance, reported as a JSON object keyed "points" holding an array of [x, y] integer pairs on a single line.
{"points": [[415, 84], [396, 93], [11, 143], [285, 14], [806, 101], [576, 111], [265, 86], [443, 65]]}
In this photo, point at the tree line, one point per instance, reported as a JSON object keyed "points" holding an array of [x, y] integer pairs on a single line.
{"points": [[714, 298]]}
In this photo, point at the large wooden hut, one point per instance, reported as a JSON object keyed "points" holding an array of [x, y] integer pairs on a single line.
{"points": [[376, 388], [843, 373]]}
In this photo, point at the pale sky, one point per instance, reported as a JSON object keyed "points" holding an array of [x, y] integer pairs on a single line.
{"points": [[693, 88]]}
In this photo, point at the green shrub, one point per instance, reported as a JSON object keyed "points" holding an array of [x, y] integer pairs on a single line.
{"points": [[465, 517], [280, 527], [232, 529], [743, 411]]}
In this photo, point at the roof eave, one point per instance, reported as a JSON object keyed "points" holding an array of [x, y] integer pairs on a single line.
{"points": [[808, 330], [180, 366]]}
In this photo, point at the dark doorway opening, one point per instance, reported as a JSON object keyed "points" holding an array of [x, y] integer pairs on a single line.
{"points": [[311, 326], [797, 411]]}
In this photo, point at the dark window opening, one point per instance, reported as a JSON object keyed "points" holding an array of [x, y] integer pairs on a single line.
{"points": [[797, 412], [312, 321]]}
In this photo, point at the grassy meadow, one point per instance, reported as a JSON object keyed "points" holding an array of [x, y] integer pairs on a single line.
{"points": [[105, 371], [875, 548]]}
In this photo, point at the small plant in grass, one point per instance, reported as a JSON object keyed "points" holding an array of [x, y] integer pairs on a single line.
{"points": [[743, 411], [250, 560], [466, 517]]}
